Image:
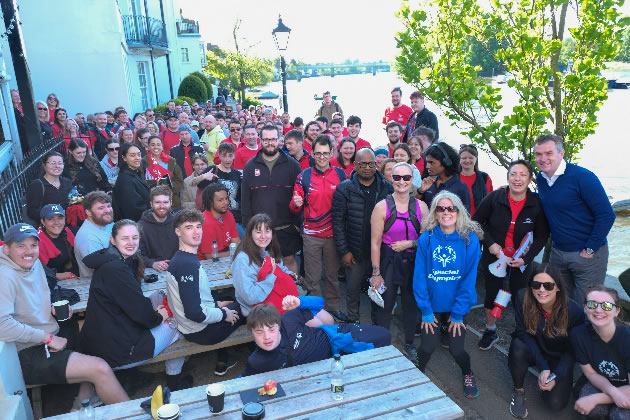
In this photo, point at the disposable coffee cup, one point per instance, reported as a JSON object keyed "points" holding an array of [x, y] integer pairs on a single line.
{"points": [[62, 310], [216, 397], [168, 412]]}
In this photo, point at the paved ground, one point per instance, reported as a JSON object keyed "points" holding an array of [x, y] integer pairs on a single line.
{"points": [[490, 368]]}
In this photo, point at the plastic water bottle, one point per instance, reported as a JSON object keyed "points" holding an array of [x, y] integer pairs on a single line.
{"points": [[87, 411], [215, 251], [336, 378]]}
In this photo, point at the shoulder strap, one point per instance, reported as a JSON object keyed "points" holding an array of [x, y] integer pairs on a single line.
{"points": [[413, 216], [306, 182], [341, 174], [337, 107], [391, 204]]}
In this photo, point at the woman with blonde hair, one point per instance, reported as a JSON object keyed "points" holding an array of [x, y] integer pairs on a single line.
{"points": [[444, 281]]}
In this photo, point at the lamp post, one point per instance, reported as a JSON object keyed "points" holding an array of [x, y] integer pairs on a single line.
{"points": [[281, 38]]}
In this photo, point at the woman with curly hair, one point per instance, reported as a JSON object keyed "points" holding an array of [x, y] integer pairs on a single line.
{"points": [[72, 132], [83, 170], [59, 125]]}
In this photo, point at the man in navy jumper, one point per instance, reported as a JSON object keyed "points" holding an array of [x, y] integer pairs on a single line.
{"points": [[579, 214]]}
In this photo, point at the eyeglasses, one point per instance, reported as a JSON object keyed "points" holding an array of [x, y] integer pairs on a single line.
{"points": [[234, 130], [548, 285], [54, 163], [442, 209], [606, 306], [321, 154], [41, 109], [269, 140], [364, 165], [112, 149], [403, 177]]}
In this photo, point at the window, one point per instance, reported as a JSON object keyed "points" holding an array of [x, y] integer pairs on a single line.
{"points": [[203, 54], [144, 86], [185, 55]]}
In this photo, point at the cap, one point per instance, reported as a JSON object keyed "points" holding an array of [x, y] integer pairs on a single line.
{"points": [[49, 210], [19, 232], [170, 115], [381, 151], [183, 127], [194, 123]]}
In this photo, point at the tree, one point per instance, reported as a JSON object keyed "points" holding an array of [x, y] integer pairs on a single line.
{"points": [[193, 87], [206, 81], [433, 57], [624, 51]]}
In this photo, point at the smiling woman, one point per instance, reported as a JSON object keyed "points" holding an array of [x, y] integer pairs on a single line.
{"points": [[131, 193]]}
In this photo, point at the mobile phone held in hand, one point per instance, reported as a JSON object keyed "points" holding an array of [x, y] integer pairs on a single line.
{"points": [[550, 378]]}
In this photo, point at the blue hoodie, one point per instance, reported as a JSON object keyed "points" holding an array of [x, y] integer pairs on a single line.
{"points": [[445, 274]]}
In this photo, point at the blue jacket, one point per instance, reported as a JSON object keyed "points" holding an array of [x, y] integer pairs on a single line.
{"points": [[445, 274]]}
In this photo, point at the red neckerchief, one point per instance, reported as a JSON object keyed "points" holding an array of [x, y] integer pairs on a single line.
{"points": [[112, 164], [156, 170], [48, 250]]}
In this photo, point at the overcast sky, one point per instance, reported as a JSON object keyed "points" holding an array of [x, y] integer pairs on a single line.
{"points": [[321, 31]]}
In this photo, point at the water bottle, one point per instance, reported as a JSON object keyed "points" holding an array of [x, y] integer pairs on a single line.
{"points": [[87, 411], [215, 251], [336, 378]]}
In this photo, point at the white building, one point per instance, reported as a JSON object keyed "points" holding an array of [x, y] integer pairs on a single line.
{"points": [[96, 55]]}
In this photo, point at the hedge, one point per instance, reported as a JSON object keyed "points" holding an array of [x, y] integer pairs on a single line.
{"points": [[206, 81], [161, 109], [194, 87]]}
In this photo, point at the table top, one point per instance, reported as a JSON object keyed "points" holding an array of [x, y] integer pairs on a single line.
{"points": [[214, 271], [379, 383]]}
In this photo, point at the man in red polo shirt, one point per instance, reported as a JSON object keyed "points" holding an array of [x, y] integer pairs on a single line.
{"points": [[219, 224], [311, 131], [170, 136], [251, 148], [398, 111], [286, 123], [354, 128]]}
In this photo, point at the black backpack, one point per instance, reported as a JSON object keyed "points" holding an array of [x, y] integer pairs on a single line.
{"points": [[393, 214]]}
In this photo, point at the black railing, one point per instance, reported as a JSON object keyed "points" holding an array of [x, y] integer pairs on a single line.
{"points": [[17, 176], [187, 26], [144, 31]]}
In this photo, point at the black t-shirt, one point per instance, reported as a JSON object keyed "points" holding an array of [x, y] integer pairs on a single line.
{"points": [[309, 345], [59, 262], [369, 192], [232, 181], [611, 360]]}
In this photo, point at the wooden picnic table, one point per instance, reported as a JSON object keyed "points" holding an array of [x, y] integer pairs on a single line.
{"points": [[214, 271], [379, 383]]}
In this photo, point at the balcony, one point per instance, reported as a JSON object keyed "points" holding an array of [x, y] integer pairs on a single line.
{"points": [[142, 31], [187, 26]]}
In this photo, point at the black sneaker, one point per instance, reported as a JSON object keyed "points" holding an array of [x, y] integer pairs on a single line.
{"points": [[411, 353], [488, 338], [444, 336], [222, 368], [339, 316], [517, 405], [470, 386], [179, 382]]}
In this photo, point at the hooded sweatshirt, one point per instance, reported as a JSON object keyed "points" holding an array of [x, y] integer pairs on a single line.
{"points": [[158, 241], [25, 315], [445, 274]]}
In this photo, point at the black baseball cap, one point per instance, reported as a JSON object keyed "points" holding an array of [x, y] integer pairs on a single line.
{"points": [[171, 115]]}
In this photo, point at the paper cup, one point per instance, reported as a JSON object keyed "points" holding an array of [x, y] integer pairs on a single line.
{"points": [[62, 310], [216, 397], [168, 412]]}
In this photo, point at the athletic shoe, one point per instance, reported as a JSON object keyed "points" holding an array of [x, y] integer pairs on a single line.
{"points": [[444, 336], [179, 382], [411, 353], [470, 386], [517, 405], [488, 338], [222, 368]]}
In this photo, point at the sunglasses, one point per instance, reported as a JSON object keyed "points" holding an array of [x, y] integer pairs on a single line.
{"points": [[41, 109], [112, 149], [234, 130], [463, 146], [606, 306], [403, 177], [442, 209], [548, 285]]}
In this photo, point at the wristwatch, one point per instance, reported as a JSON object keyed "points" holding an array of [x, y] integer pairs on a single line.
{"points": [[590, 251]]}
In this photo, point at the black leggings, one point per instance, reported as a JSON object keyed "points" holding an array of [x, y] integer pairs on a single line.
{"points": [[455, 345], [217, 332], [409, 307], [517, 281], [521, 358]]}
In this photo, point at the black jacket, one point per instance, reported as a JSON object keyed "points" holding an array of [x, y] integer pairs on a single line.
{"points": [[158, 241], [271, 193], [495, 216], [118, 322], [131, 195], [351, 215], [454, 185], [35, 200], [546, 350], [85, 180], [100, 143], [425, 118], [178, 153]]}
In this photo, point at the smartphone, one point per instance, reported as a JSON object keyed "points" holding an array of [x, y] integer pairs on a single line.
{"points": [[550, 378]]}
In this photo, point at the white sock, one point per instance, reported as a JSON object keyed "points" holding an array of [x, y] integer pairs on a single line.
{"points": [[491, 327]]}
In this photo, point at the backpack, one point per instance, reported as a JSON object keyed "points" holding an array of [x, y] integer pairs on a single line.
{"points": [[393, 214], [306, 180], [24, 208]]}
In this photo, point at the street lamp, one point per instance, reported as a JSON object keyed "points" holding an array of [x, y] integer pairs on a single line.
{"points": [[281, 38]]}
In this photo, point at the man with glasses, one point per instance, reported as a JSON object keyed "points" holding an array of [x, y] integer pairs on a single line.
{"points": [[268, 181], [210, 137], [149, 115], [249, 150], [313, 194], [353, 202]]}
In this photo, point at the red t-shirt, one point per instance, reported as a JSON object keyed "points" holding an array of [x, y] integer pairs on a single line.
{"points": [[214, 230], [420, 165], [516, 207], [469, 180], [169, 139], [243, 155], [348, 169], [308, 147], [399, 114], [217, 159], [285, 130], [358, 144]]}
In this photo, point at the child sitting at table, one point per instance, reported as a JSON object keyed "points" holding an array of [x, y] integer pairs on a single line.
{"points": [[304, 333]]}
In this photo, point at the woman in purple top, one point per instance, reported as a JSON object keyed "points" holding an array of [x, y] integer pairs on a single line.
{"points": [[396, 225]]}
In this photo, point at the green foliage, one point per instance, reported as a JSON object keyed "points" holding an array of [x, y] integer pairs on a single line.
{"points": [[236, 70], [206, 81], [194, 87], [569, 48], [624, 50], [249, 100], [434, 57], [161, 109]]}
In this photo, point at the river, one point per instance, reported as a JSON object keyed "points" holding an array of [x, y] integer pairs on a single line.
{"points": [[605, 153]]}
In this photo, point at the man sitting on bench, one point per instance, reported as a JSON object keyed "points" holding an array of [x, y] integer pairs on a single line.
{"points": [[305, 333], [198, 317], [26, 318]]}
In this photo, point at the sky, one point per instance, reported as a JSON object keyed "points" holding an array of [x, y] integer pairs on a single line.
{"points": [[321, 31]]}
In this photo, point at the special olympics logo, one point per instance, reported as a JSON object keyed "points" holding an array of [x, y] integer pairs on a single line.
{"points": [[608, 368], [444, 255]]}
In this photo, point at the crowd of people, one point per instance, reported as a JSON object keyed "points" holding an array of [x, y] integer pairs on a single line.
{"points": [[308, 206]]}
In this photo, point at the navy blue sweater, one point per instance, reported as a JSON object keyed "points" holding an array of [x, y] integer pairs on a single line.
{"points": [[577, 209]]}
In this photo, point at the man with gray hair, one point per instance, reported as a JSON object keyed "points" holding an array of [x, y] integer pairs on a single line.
{"points": [[100, 135]]}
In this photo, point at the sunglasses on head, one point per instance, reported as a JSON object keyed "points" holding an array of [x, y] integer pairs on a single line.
{"points": [[548, 285], [442, 209], [403, 177], [606, 306], [463, 146]]}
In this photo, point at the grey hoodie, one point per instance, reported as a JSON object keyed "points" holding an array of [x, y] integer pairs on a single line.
{"points": [[25, 313]]}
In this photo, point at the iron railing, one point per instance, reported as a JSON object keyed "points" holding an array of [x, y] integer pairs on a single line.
{"points": [[18, 176], [144, 31], [187, 26]]}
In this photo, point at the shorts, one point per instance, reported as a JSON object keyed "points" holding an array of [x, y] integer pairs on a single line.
{"points": [[290, 240], [39, 369]]}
